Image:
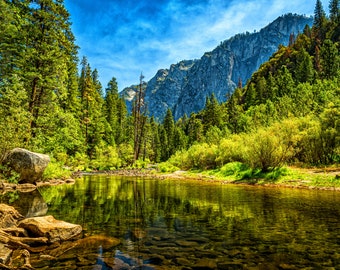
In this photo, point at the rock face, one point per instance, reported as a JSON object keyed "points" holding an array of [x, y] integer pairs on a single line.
{"points": [[47, 226], [28, 164], [184, 87], [163, 91]]}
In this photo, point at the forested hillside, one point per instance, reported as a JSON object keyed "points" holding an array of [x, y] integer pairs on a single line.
{"points": [[288, 112]]}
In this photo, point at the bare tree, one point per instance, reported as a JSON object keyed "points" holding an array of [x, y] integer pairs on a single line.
{"points": [[139, 118]]}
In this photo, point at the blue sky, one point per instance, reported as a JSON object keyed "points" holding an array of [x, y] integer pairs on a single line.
{"points": [[122, 38]]}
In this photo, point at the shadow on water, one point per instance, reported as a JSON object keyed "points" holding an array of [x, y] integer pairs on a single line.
{"points": [[176, 224]]}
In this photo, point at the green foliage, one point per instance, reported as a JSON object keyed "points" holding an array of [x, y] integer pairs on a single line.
{"points": [[265, 150], [8, 174], [288, 112], [232, 168], [231, 149], [141, 164], [126, 153], [167, 167], [56, 170], [106, 159], [198, 156], [14, 127]]}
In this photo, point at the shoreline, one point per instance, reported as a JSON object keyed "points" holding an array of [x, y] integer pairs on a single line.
{"points": [[202, 176]]}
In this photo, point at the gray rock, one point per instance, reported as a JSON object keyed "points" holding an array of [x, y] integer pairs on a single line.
{"points": [[29, 165]]}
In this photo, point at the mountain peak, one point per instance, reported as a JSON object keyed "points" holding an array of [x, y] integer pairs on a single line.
{"points": [[184, 86]]}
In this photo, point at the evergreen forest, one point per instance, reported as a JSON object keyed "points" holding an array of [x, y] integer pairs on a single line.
{"points": [[51, 101]]}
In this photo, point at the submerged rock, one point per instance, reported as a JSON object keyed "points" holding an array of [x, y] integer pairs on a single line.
{"points": [[205, 264], [48, 226], [29, 165], [83, 247]]}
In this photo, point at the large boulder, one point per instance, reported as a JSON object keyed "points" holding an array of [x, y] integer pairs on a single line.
{"points": [[54, 230], [29, 165]]}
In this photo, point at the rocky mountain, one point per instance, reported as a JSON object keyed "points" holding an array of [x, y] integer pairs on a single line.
{"points": [[184, 86]]}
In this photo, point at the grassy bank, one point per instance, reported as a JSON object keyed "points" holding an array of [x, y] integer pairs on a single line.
{"points": [[238, 173], [234, 172], [320, 178]]}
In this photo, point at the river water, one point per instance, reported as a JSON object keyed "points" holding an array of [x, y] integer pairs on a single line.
{"points": [[177, 224]]}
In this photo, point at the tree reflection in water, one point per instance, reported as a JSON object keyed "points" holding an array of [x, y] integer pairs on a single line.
{"points": [[173, 223]]}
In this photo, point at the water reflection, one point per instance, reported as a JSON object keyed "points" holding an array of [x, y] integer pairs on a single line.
{"points": [[189, 225], [28, 204]]}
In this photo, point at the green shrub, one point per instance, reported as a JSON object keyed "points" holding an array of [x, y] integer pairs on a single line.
{"points": [[80, 162], [202, 156], [167, 167], [9, 174], [231, 149], [56, 170], [106, 159], [125, 153], [264, 151], [232, 168], [141, 164]]}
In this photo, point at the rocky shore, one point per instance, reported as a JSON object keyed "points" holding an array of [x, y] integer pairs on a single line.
{"points": [[27, 243]]}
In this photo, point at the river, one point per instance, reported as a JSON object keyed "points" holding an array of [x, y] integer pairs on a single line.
{"points": [[180, 224]]}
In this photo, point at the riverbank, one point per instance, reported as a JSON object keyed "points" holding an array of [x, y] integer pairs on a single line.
{"points": [[290, 177]]}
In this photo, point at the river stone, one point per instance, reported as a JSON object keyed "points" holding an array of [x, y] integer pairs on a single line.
{"points": [[184, 243], [29, 165], [205, 264], [8, 216], [5, 254], [48, 226], [183, 261], [85, 246]]}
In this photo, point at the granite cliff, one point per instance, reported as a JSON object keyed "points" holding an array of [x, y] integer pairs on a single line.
{"points": [[184, 86]]}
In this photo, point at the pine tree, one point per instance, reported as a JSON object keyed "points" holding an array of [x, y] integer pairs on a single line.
{"points": [[14, 117], [49, 49], [93, 120], [285, 82], [304, 71], [330, 59], [12, 23], [319, 20], [37, 46], [155, 142], [111, 114], [334, 11], [235, 110], [250, 96], [212, 114], [163, 137], [122, 134]]}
